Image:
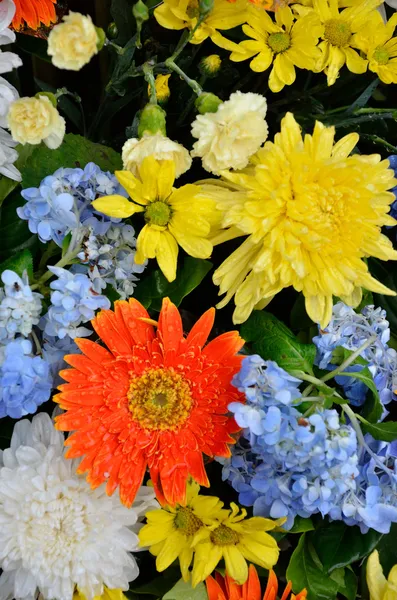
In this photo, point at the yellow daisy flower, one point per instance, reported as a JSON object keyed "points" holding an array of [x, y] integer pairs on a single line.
{"points": [[173, 216], [170, 530], [284, 43], [380, 47], [338, 37], [182, 14], [312, 214], [236, 540]]}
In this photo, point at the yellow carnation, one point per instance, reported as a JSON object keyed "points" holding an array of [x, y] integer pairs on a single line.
{"points": [[312, 213], [36, 120], [228, 137], [73, 43], [160, 147]]}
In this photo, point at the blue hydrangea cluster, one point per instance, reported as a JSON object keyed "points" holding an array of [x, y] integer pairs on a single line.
{"points": [[20, 308], [54, 351], [25, 380], [62, 202], [287, 464], [110, 260], [73, 302], [351, 330]]}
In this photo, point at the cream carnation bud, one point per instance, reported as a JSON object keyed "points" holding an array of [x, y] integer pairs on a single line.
{"points": [[36, 120], [160, 147], [228, 137], [74, 42]]}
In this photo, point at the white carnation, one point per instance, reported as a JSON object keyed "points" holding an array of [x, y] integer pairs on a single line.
{"points": [[55, 531], [230, 136], [159, 146]]}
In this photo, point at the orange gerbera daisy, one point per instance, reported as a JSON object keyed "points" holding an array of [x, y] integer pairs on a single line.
{"points": [[224, 588], [153, 399], [34, 13]]}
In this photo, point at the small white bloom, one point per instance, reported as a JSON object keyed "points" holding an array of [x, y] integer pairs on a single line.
{"points": [[159, 146], [8, 60], [7, 12], [73, 43], [8, 94], [36, 120], [55, 531], [8, 156], [20, 308], [230, 136]]}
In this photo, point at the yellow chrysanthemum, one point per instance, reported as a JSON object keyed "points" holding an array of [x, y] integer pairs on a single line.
{"points": [[312, 213], [107, 595], [285, 43], [170, 530], [173, 216], [380, 47], [236, 540], [339, 29], [182, 14], [379, 587]]}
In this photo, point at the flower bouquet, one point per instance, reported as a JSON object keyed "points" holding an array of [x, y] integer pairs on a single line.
{"points": [[198, 313]]}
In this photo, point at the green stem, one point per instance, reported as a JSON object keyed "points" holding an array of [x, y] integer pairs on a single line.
{"points": [[197, 89], [149, 77], [350, 360], [119, 49], [63, 262], [375, 139]]}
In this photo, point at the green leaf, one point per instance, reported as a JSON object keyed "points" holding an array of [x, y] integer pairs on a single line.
{"points": [[380, 431], [339, 545], [8, 185], [349, 589], [159, 585], [121, 11], [124, 69], [304, 572], [14, 232], [75, 151], [340, 354], [33, 45], [387, 549], [154, 288], [301, 525], [184, 591], [271, 339], [20, 262], [372, 408], [363, 98]]}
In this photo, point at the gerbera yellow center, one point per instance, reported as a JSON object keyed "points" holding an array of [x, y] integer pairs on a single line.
{"points": [[186, 521], [224, 536], [337, 32], [159, 399], [279, 42], [158, 213], [381, 55]]}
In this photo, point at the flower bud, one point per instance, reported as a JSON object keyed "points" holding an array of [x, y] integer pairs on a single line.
{"points": [[210, 65], [112, 31], [205, 7], [152, 120], [101, 38], [140, 12], [162, 88], [207, 102]]}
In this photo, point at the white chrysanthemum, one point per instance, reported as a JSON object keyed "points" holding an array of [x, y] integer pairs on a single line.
{"points": [[7, 12], [159, 146], [55, 531], [8, 156], [230, 136], [8, 94], [8, 60]]}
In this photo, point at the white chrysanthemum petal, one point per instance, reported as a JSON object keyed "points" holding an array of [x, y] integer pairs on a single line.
{"points": [[55, 532], [230, 136]]}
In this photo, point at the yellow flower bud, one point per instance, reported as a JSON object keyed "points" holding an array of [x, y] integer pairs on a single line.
{"points": [[210, 65], [36, 120], [74, 42], [162, 88]]}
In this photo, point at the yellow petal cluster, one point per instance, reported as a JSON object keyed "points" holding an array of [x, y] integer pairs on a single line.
{"points": [[184, 14], [204, 532], [73, 43], [108, 594], [312, 214], [173, 216], [379, 587], [380, 47]]}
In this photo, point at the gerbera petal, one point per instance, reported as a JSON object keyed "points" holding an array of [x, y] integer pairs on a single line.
{"points": [[200, 331], [112, 331], [224, 345], [133, 315], [170, 329], [214, 590]]}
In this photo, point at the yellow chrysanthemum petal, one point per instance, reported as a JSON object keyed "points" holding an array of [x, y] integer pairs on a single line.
{"points": [[116, 206], [147, 241], [170, 550], [236, 565], [167, 255], [185, 560], [375, 578], [132, 185]]}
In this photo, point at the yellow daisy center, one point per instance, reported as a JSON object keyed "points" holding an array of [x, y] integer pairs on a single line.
{"points": [[381, 55], [337, 32], [159, 399], [279, 42], [158, 213], [224, 536], [186, 521]]}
